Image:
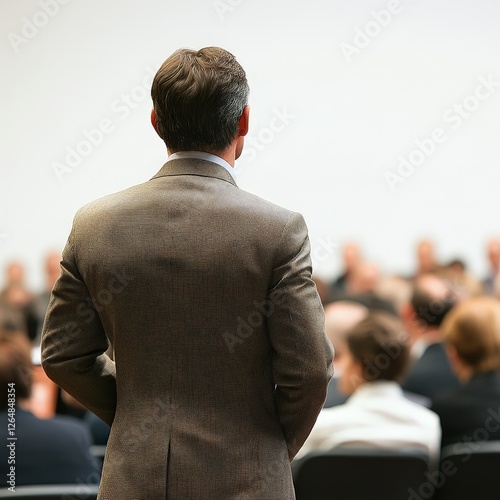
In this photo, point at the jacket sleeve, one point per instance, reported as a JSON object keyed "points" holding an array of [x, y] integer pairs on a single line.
{"points": [[302, 353], [74, 346]]}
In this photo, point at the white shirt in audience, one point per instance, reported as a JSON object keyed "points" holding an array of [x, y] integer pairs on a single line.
{"points": [[377, 415]]}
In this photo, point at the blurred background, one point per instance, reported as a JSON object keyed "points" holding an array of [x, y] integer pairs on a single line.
{"points": [[377, 120]]}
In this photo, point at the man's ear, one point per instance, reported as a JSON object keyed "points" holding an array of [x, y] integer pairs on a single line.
{"points": [[244, 122], [154, 120]]}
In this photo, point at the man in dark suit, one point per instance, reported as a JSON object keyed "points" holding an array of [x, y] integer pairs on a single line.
{"points": [[48, 451], [204, 291], [430, 372]]}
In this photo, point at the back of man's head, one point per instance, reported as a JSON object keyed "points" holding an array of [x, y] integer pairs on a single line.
{"points": [[379, 343], [431, 301], [199, 97]]}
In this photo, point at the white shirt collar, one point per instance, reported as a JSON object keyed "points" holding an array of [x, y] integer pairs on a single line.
{"points": [[202, 155], [376, 388], [420, 346]]}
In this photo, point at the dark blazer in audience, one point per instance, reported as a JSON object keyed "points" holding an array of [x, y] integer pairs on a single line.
{"points": [[53, 451], [431, 374], [472, 410], [98, 429], [334, 397]]}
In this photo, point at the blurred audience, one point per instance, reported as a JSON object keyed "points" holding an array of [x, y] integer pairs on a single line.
{"points": [[47, 451], [361, 288], [472, 336], [430, 372], [377, 415], [449, 344]]}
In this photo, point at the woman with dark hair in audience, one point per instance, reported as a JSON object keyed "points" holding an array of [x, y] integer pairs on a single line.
{"points": [[472, 335], [377, 414]]}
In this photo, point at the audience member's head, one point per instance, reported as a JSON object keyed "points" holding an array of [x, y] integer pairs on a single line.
{"points": [[198, 100], [363, 278], [430, 302], [15, 365], [493, 250], [14, 273], [472, 334], [351, 256], [52, 268], [16, 295], [426, 257], [396, 290], [376, 349], [340, 318]]}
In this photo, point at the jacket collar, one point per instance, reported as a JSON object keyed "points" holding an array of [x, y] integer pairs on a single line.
{"points": [[192, 166]]}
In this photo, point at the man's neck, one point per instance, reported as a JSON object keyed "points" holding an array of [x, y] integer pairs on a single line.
{"points": [[228, 155]]}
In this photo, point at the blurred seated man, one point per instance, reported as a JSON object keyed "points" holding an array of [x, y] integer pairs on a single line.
{"points": [[363, 280], [340, 318], [430, 371], [54, 451], [351, 257], [426, 258], [377, 415], [472, 336]]}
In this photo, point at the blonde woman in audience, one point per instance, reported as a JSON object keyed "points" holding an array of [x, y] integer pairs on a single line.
{"points": [[472, 335], [377, 415]]}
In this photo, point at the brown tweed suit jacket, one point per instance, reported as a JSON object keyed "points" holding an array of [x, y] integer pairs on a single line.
{"points": [[221, 364]]}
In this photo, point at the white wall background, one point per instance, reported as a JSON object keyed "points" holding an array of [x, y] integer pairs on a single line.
{"points": [[351, 119]]}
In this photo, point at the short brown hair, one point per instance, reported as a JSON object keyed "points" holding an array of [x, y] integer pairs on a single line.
{"points": [[15, 365], [379, 343], [199, 97], [473, 329]]}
